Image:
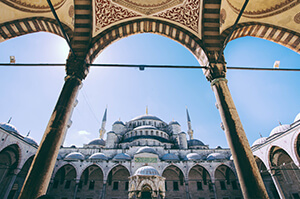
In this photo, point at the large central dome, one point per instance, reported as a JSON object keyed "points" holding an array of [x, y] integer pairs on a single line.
{"points": [[146, 117]]}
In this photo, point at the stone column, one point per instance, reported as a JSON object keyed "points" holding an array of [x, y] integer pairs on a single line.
{"points": [[77, 181], [39, 175], [103, 190], [250, 180], [11, 183], [277, 185], [186, 182]]}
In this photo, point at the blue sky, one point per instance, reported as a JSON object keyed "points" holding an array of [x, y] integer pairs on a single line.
{"points": [[262, 98]]}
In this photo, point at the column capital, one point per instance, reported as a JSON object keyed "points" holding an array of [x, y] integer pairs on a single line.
{"points": [[77, 67], [215, 70]]}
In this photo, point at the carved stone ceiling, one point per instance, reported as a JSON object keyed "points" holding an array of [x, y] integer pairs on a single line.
{"points": [[33, 5], [262, 8]]}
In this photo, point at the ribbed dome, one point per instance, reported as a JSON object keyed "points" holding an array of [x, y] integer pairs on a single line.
{"points": [[194, 156], [297, 117], [170, 157], [146, 170], [259, 141], [145, 127], [279, 129], [97, 141], [216, 156], [9, 127], [98, 156], [119, 122], [146, 117], [30, 140], [74, 156], [146, 149], [122, 157], [195, 142]]}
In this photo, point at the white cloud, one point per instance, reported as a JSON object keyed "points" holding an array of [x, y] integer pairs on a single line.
{"points": [[83, 132]]}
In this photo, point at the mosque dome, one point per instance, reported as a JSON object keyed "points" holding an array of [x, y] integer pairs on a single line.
{"points": [[30, 140], [216, 156], [59, 157], [74, 156], [146, 149], [174, 123], [194, 156], [146, 117], [97, 141], [119, 122], [146, 170], [122, 157], [279, 129], [259, 141], [9, 127], [195, 142], [98, 156], [297, 117], [145, 127], [170, 157]]}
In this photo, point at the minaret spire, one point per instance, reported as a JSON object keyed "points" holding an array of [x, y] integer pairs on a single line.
{"points": [[102, 130], [190, 130]]}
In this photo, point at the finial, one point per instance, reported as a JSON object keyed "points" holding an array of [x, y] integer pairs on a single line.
{"points": [[119, 119], [260, 135], [28, 133], [9, 120], [279, 123], [146, 110]]}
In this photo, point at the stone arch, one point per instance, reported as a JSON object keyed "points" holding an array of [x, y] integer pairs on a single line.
{"points": [[267, 178], [184, 37], [64, 181], [297, 147], [117, 183], [284, 171], [199, 181], [285, 37], [91, 182], [174, 181], [9, 161], [21, 27], [226, 182]]}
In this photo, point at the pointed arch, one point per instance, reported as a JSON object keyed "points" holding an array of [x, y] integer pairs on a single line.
{"points": [[174, 181], [117, 182], [21, 27], [297, 147], [184, 37], [285, 37], [199, 181]]}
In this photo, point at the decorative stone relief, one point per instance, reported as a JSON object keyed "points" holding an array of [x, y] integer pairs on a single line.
{"points": [[187, 14], [33, 5], [297, 18]]}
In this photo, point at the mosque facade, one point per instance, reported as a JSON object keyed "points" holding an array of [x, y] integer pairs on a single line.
{"points": [[149, 158]]}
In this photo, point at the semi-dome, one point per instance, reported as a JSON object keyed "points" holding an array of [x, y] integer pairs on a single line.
{"points": [[194, 156], [30, 140], [216, 156], [170, 157], [74, 156], [146, 117], [146, 149], [297, 117], [195, 142], [97, 141], [145, 127], [279, 129], [122, 157], [9, 127], [98, 156], [259, 141], [146, 170]]}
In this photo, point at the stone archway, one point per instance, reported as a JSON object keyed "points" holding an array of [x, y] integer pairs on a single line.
{"points": [[146, 192]]}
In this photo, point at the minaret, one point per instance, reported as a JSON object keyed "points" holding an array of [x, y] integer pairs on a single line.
{"points": [[102, 130], [190, 130]]}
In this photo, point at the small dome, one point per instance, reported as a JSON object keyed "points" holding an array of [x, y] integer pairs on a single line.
{"points": [[9, 127], [145, 127], [279, 129], [146, 149], [97, 141], [170, 157], [59, 157], [146, 117], [30, 140], [174, 123], [297, 117], [122, 157], [195, 142], [259, 141], [146, 170], [119, 122], [98, 156], [216, 156], [74, 156], [194, 156]]}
